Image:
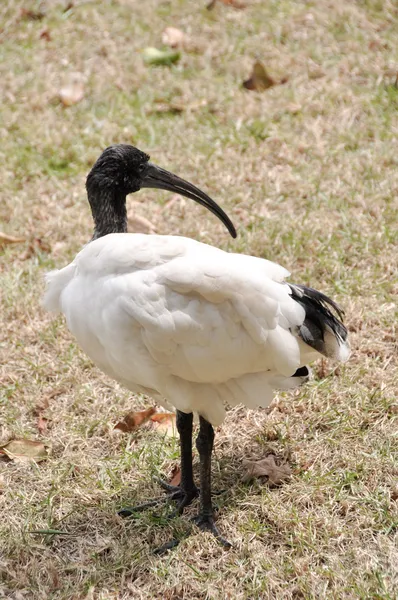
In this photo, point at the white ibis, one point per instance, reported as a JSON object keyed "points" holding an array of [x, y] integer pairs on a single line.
{"points": [[188, 324]]}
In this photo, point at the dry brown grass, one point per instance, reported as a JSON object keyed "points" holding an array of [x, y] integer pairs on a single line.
{"points": [[308, 170]]}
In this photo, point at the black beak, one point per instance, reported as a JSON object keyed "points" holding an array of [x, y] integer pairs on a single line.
{"points": [[155, 177]]}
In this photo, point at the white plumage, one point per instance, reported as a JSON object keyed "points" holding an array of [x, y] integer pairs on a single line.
{"points": [[190, 325], [183, 321]]}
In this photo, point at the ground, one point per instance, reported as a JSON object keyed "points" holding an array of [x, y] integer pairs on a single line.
{"points": [[308, 171]]}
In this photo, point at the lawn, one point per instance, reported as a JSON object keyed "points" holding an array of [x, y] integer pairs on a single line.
{"points": [[307, 170]]}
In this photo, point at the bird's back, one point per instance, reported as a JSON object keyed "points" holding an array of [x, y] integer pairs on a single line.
{"points": [[183, 320]]}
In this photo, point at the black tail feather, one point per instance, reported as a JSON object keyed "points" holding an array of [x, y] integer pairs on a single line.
{"points": [[318, 318]]}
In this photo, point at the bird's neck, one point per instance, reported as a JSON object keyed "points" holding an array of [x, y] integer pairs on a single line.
{"points": [[108, 208]]}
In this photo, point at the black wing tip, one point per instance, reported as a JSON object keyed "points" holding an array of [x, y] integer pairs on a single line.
{"points": [[320, 297], [302, 372]]}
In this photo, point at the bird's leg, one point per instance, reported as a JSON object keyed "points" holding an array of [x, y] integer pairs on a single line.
{"points": [[205, 518], [187, 490]]}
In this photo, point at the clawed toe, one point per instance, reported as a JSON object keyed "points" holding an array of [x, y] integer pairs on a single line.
{"points": [[175, 493], [166, 547], [206, 523]]}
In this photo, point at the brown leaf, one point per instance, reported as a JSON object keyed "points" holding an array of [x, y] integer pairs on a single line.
{"points": [[266, 467], [45, 35], [165, 423], [42, 423], [24, 450], [133, 420], [175, 476], [10, 239], [44, 403], [173, 37], [71, 94], [233, 3], [259, 79], [32, 15]]}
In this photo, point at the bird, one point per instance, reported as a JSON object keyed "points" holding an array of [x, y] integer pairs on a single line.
{"points": [[196, 328]]}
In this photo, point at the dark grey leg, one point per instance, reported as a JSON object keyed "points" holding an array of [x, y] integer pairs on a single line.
{"points": [[185, 492], [204, 444]]}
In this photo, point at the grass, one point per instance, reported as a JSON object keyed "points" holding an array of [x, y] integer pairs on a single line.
{"points": [[308, 171]]}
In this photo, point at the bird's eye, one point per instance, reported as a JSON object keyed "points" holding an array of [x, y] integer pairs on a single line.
{"points": [[141, 167]]}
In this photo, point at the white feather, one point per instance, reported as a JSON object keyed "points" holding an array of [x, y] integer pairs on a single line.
{"points": [[185, 322]]}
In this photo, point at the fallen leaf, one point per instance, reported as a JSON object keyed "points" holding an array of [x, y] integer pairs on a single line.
{"points": [[42, 424], [24, 450], [165, 423], [45, 35], [266, 467], [294, 109], [10, 239], [233, 3], [133, 420], [394, 493], [71, 94], [322, 369], [139, 224], [173, 37], [259, 79], [32, 15], [44, 403], [154, 56], [175, 476]]}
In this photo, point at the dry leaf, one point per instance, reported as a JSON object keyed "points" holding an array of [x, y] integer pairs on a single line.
{"points": [[10, 239], [233, 3], [42, 424], [71, 94], [133, 420], [259, 79], [32, 15], [175, 476], [165, 423], [45, 35], [173, 37], [322, 370], [24, 450], [139, 224], [44, 403], [266, 467]]}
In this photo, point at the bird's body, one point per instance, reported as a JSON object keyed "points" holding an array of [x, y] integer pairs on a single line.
{"points": [[184, 322], [192, 326]]}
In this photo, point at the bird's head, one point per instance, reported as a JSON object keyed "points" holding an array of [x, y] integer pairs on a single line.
{"points": [[122, 169]]}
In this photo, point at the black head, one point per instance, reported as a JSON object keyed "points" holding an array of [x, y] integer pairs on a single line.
{"points": [[122, 170], [120, 167]]}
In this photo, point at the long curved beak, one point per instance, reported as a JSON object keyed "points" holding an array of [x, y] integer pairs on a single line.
{"points": [[155, 177]]}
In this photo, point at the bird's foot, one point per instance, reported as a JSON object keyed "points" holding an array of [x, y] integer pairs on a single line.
{"points": [[206, 523], [175, 493]]}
